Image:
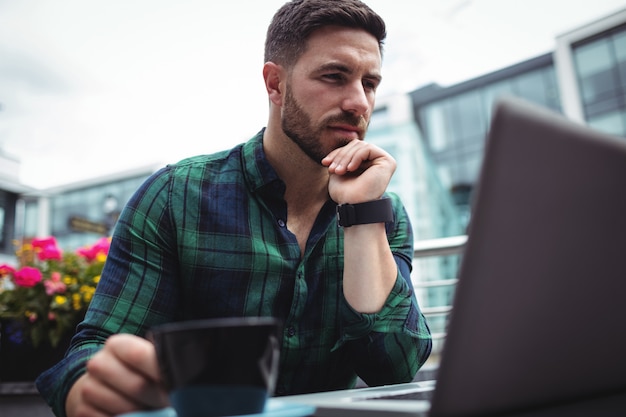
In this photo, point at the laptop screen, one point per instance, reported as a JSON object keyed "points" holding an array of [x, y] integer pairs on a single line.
{"points": [[539, 317]]}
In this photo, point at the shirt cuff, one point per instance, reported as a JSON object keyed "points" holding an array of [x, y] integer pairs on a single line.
{"points": [[55, 383], [394, 317]]}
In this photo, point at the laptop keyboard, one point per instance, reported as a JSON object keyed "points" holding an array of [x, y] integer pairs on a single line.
{"points": [[403, 395]]}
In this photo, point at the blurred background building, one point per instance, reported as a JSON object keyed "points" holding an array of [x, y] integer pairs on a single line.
{"points": [[435, 133]]}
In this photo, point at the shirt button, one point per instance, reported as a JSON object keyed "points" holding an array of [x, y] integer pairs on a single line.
{"points": [[291, 332], [281, 223]]}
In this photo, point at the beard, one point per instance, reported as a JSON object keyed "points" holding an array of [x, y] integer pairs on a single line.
{"points": [[298, 126]]}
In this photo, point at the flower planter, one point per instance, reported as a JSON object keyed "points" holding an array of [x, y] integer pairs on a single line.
{"points": [[19, 359], [41, 302]]}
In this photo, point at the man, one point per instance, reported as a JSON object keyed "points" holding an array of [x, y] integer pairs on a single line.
{"points": [[253, 232]]}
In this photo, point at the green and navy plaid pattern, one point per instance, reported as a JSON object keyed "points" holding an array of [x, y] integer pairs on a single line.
{"points": [[207, 237]]}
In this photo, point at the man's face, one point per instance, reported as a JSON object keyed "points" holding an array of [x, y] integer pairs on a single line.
{"points": [[330, 91]]}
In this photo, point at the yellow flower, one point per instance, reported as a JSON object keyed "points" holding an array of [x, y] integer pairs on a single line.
{"points": [[76, 301], [67, 280], [87, 292], [96, 279], [60, 299]]}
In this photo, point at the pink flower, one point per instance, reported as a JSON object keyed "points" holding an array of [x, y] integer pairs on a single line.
{"points": [[50, 252], [41, 243], [101, 247], [6, 270], [87, 252], [54, 284], [27, 277], [47, 249]]}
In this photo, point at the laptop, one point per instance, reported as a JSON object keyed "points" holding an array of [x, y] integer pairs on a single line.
{"points": [[538, 325]]}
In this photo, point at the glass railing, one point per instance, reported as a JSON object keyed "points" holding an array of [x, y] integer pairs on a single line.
{"points": [[437, 307]]}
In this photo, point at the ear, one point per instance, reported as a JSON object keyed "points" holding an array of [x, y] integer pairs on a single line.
{"points": [[274, 75]]}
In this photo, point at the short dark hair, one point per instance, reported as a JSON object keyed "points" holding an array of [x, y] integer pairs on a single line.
{"points": [[288, 33]]}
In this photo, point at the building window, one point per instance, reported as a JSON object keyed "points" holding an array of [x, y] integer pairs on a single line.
{"points": [[2, 228], [7, 221], [600, 64]]}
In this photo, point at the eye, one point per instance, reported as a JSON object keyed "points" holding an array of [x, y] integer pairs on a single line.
{"points": [[334, 77], [370, 85]]}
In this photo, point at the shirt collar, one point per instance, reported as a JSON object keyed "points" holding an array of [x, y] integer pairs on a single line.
{"points": [[260, 175]]}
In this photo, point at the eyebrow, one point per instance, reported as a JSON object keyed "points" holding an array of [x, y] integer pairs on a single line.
{"points": [[335, 66]]}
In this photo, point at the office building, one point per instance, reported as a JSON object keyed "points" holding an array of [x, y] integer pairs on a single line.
{"points": [[78, 214], [585, 79]]}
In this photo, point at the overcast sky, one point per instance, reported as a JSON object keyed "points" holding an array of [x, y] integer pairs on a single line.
{"points": [[90, 87]]}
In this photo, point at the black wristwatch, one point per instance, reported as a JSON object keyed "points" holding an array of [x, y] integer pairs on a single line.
{"points": [[377, 211]]}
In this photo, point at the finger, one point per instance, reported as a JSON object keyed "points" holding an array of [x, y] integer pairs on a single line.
{"points": [[342, 160], [84, 403], [355, 158], [328, 159], [99, 399], [137, 353], [127, 366]]}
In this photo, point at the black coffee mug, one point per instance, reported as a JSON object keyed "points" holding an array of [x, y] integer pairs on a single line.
{"points": [[218, 367]]}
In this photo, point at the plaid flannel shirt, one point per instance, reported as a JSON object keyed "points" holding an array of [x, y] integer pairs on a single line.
{"points": [[207, 237]]}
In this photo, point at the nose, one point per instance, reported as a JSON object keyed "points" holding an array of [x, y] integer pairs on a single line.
{"points": [[357, 101]]}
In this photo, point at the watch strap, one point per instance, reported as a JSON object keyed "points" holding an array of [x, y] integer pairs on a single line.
{"points": [[376, 211]]}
